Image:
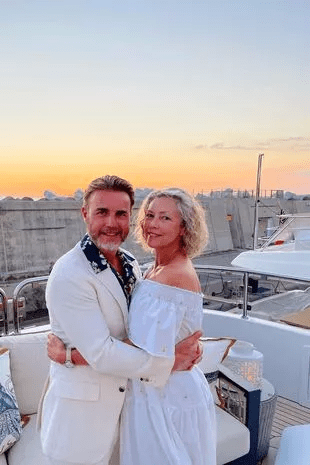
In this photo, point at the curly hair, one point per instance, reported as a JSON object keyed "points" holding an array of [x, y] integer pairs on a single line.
{"points": [[109, 183], [192, 219]]}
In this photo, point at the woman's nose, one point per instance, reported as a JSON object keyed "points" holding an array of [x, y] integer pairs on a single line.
{"points": [[154, 222]]}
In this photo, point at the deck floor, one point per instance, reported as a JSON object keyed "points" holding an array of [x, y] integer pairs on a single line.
{"points": [[287, 413]]}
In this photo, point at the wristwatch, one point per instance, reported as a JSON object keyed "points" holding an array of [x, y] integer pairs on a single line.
{"points": [[68, 361]]}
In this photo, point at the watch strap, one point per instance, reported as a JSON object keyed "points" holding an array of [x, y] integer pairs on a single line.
{"points": [[68, 361], [68, 354]]}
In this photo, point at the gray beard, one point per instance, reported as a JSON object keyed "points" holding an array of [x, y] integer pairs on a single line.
{"points": [[108, 246]]}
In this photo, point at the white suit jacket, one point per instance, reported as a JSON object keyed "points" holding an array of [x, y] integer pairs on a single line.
{"points": [[82, 405]]}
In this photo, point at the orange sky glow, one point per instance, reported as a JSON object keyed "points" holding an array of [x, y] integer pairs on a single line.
{"points": [[202, 172], [161, 93]]}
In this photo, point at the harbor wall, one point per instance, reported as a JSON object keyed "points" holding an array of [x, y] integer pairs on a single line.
{"points": [[34, 234]]}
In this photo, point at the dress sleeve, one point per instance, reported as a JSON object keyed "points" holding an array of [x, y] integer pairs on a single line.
{"points": [[154, 324]]}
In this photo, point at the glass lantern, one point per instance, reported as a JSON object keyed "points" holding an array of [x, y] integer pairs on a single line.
{"points": [[247, 362]]}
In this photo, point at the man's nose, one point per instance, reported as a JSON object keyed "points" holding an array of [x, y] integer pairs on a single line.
{"points": [[111, 220]]}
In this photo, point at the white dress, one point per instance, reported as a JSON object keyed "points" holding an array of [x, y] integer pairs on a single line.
{"points": [[172, 424]]}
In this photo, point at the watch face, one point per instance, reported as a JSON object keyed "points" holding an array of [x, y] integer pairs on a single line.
{"points": [[69, 364]]}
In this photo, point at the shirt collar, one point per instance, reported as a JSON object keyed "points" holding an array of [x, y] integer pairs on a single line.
{"points": [[99, 263], [97, 260]]}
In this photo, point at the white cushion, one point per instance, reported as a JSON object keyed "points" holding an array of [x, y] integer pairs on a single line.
{"points": [[214, 352], [29, 368], [27, 451], [3, 460], [233, 438], [233, 441], [294, 446]]}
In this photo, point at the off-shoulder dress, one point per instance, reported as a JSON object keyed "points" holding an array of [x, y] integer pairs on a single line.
{"points": [[172, 424]]}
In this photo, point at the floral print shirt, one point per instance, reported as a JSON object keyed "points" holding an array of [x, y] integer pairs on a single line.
{"points": [[99, 263]]}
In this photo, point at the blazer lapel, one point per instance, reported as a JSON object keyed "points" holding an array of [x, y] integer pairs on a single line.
{"points": [[110, 282]]}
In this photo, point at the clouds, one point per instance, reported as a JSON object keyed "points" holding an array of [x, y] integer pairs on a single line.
{"points": [[297, 144]]}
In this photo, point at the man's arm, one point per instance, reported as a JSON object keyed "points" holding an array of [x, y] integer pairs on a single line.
{"points": [[187, 352], [75, 302]]}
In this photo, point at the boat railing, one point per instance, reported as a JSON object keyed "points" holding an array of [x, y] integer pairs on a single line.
{"points": [[223, 288], [227, 272], [3, 311], [290, 229], [19, 303]]}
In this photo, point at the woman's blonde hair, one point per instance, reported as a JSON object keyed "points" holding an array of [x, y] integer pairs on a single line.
{"points": [[192, 219]]}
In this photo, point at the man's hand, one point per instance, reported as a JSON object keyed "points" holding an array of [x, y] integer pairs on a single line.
{"points": [[56, 349], [188, 352]]}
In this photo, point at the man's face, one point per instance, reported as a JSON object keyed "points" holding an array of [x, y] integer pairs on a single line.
{"points": [[107, 216]]}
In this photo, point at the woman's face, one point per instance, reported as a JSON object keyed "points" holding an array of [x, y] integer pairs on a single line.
{"points": [[162, 224]]}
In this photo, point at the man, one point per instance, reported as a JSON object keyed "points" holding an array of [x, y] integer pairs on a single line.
{"points": [[87, 295]]}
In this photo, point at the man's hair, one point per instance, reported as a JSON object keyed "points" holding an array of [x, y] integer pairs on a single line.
{"points": [[192, 219], [109, 183]]}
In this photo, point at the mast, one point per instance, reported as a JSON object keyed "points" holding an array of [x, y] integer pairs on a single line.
{"points": [[257, 200]]}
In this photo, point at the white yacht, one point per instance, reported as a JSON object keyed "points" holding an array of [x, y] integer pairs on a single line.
{"points": [[285, 253], [283, 400]]}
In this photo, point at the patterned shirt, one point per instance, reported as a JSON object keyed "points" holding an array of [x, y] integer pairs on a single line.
{"points": [[98, 262]]}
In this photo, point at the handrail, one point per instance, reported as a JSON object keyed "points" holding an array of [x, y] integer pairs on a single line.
{"points": [[245, 273], [239, 269], [4, 310], [242, 303], [231, 269], [17, 290], [277, 232]]}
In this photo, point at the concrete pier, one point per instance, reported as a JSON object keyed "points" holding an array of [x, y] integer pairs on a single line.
{"points": [[34, 234]]}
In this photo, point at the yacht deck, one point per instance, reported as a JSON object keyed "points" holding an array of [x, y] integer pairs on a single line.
{"points": [[287, 413]]}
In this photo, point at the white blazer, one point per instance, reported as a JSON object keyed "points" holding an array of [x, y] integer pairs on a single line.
{"points": [[82, 405]]}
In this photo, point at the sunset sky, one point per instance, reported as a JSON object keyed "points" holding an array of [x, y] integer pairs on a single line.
{"points": [[161, 92]]}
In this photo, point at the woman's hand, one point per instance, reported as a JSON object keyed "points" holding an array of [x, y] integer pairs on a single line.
{"points": [[188, 352]]}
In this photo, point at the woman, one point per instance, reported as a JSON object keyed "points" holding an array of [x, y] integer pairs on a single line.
{"points": [[172, 424]]}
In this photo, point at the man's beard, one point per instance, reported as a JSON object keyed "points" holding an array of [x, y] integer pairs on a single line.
{"points": [[108, 246], [107, 243]]}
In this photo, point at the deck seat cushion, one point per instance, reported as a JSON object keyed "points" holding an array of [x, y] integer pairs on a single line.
{"points": [[233, 437], [29, 368], [28, 451], [233, 441]]}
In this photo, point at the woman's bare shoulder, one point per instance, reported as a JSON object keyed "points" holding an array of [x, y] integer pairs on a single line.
{"points": [[183, 276]]}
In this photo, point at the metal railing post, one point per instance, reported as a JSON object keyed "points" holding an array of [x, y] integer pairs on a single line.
{"points": [[245, 295], [17, 290], [4, 311]]}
